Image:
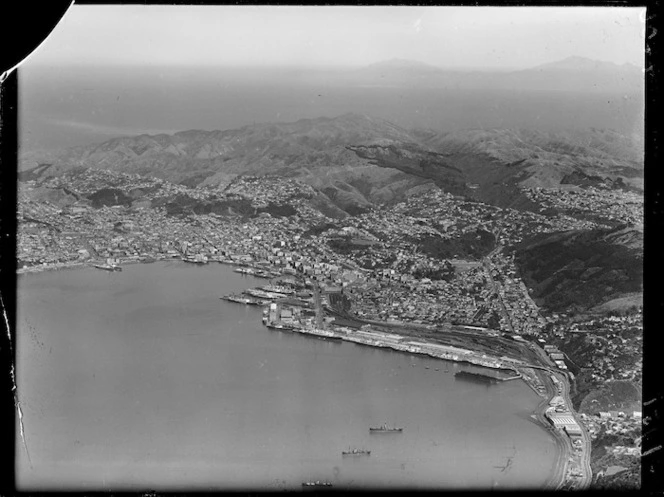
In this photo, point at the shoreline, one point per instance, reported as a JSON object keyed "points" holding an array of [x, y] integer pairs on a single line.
{"points": [[557, 478], [554, 482], [89, 263]]}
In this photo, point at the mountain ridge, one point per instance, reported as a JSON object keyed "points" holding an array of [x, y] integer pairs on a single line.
{"points": [[573, 73], [576, 62], [338, 153]]}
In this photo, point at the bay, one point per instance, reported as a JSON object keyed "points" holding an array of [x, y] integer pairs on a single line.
{"points": [[145, 379]]}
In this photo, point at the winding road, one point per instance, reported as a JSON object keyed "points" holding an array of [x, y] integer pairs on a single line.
{"points": [[585, 480], [563, 442]]}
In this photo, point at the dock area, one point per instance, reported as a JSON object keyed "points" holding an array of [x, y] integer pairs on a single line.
{"points": [[306, 321], [298, 307]]}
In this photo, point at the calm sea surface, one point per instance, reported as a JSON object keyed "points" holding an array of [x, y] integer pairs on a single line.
{"points": [[146, 379]]}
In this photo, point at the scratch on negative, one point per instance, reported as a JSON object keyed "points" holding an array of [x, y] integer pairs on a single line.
{"points": [[9, 335], [20, 420], [654, 449], [17, 402]]}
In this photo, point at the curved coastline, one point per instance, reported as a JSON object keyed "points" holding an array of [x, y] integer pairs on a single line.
{"points": [[80, 265], [555, 481], [557, 478]]}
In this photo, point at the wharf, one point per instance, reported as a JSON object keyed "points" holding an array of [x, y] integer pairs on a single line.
{"points": [[469, 375], [404, 347]]}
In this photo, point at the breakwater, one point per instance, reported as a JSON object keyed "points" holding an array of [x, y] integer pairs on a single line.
{"points": [[476, 377]]}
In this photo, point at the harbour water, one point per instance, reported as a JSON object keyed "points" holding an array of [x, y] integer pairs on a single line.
{"points": [[145, 379]]}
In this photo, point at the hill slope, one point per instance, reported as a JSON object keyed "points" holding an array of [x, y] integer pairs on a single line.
{"points": [[579, 73], [577, 270], [356, 160]]}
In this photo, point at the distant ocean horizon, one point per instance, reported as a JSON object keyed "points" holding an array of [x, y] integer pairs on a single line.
{"points": [[62, 108]]}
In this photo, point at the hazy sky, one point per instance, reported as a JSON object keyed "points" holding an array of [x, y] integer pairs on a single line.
{"points": [[491, 37]]}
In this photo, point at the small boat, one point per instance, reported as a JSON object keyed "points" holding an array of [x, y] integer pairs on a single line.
{"points": [[243, 270], [194, 260], [317, 483], [108, 267], [355, 452], [437, 369], [384, 429]]}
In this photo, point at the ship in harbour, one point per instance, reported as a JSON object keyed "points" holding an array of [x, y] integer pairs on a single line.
{"points": [[317, 483], [384, 429], [355, 452], [244, 270], [197, 259], [236, 298], [262, 294], [321, 333], [278, 289], [105, 267], [240, 299], [280, 326], [111, 265]]}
